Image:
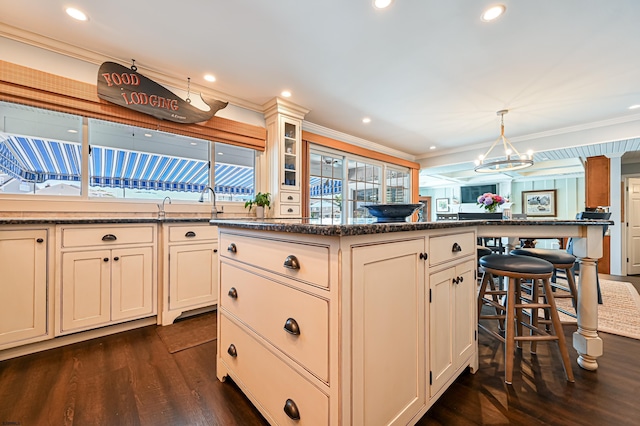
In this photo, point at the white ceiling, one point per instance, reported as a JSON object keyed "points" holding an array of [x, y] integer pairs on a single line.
{"points": [[427, 73]]}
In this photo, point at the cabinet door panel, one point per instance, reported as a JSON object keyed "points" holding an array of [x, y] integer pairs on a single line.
{"points": [[193, 275], [86, 286], [464, 313], [441, 328], [131, 277], [23, 286], [388, 283]]}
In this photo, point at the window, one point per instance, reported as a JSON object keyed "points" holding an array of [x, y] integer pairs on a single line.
{"points": [[41, 154], [40, 151], [341, 184]]}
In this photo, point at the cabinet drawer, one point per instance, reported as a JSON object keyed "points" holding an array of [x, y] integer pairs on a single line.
{"points": [[192, 233], [107, 235], [313, 261], [441, 249], [266, 306], [269, 380], [289, 197], [289, 209]]}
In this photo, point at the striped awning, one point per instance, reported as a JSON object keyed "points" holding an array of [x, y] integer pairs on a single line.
{"points": [[319, 186], [38, 160]]}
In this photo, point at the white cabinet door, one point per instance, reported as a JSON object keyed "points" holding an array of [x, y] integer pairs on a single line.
{"points": [[451, 321], [132, 283], [23, 286], [193, 275], [388, 332], [86, 289]]}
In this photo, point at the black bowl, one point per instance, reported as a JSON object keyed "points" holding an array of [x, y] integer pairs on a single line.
{"points": [[392, 212]]}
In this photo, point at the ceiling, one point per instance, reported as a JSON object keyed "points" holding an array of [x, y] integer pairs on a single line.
{"points": [[427, 73]]}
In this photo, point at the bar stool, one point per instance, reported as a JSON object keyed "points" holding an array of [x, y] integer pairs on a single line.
{"points": [[560, 260], [493, 291], [517, 268]]}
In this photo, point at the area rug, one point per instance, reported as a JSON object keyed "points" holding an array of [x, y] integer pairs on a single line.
{"points": [[189, 332], [619, 313]]}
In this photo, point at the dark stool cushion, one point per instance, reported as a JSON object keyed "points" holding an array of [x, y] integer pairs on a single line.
{"points": [[516, 264], [557, 257], [483, 251]]}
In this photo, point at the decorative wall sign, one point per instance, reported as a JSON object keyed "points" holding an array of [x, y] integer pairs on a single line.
{"points": [[126, 87]]}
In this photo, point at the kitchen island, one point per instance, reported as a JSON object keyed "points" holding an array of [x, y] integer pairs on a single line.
{"points": [[365, 324]]}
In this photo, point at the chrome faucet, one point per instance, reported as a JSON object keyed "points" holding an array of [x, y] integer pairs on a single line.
{"points": [[161, 207], [214, 209]]}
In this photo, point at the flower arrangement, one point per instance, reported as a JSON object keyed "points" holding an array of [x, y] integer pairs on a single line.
{"points": [[490, 201]]}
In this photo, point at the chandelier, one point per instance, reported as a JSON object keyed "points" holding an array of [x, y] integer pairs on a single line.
{"points": [[514, 160]]}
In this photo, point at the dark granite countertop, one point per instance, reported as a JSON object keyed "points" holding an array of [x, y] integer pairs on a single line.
{"points": [[303, 226], [72, 220]]}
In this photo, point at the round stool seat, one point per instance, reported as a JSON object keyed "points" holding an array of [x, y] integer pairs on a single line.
{"points": [[557, 257], [517, 264], [483, 251]]}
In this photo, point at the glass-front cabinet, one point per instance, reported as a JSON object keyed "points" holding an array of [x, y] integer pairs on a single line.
{"points": [[284, 142]]}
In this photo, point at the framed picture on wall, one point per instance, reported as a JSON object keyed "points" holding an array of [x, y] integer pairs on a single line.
{"points": [[539, 203], [442, 205]]}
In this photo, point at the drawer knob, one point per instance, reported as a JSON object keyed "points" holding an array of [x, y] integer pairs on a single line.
{"points": [[215, 250], [232, 248], [289, 210], [291, 410], [233, 293], [116, 258], [291, 327], [291, 262], [106, 259], [109, 237], [190, 234], [40, 240], [456, 248], [290, 198], [232, 350]]}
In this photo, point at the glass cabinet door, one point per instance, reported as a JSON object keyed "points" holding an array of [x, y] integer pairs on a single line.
{"points": [[290, 147]]}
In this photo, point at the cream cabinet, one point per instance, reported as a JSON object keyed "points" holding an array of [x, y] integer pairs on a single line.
{"points": [[25, 311], [284, 143], [189, 269], [388, 332], [341, 330], [107, 275], [273, 324]]}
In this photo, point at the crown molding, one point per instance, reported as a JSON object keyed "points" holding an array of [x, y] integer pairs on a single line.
{"points": [[363, 143]]}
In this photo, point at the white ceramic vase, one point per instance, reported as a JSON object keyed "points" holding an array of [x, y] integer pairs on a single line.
{"points": [[260, 212]]}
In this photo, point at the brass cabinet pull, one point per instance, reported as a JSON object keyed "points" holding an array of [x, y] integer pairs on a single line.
{"points": [[109, 237], [233, 293], [232, 350], [291, 410], [232, 248], [291, 327], [291, 262], [190, 234]]}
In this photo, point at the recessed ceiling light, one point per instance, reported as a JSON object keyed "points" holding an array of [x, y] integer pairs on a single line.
{"points": [[210, 78], [193, 143], [148, 135], [72, 131], [286, 93], [76, 14], [493, 12], [366, 120], [634, 106], [221, 153], [382, 4], [432, 147]]}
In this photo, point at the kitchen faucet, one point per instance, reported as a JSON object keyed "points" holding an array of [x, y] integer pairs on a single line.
{"points": [[161, 207], [214, 209]]}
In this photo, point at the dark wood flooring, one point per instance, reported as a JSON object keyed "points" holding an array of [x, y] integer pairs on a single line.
{"points": [[131, 379]]}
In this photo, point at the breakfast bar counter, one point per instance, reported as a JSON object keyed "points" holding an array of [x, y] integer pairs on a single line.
{"points": [[349, 323]]}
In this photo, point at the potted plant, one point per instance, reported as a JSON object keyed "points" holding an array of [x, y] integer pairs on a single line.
{"points": [[261, 200]]}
